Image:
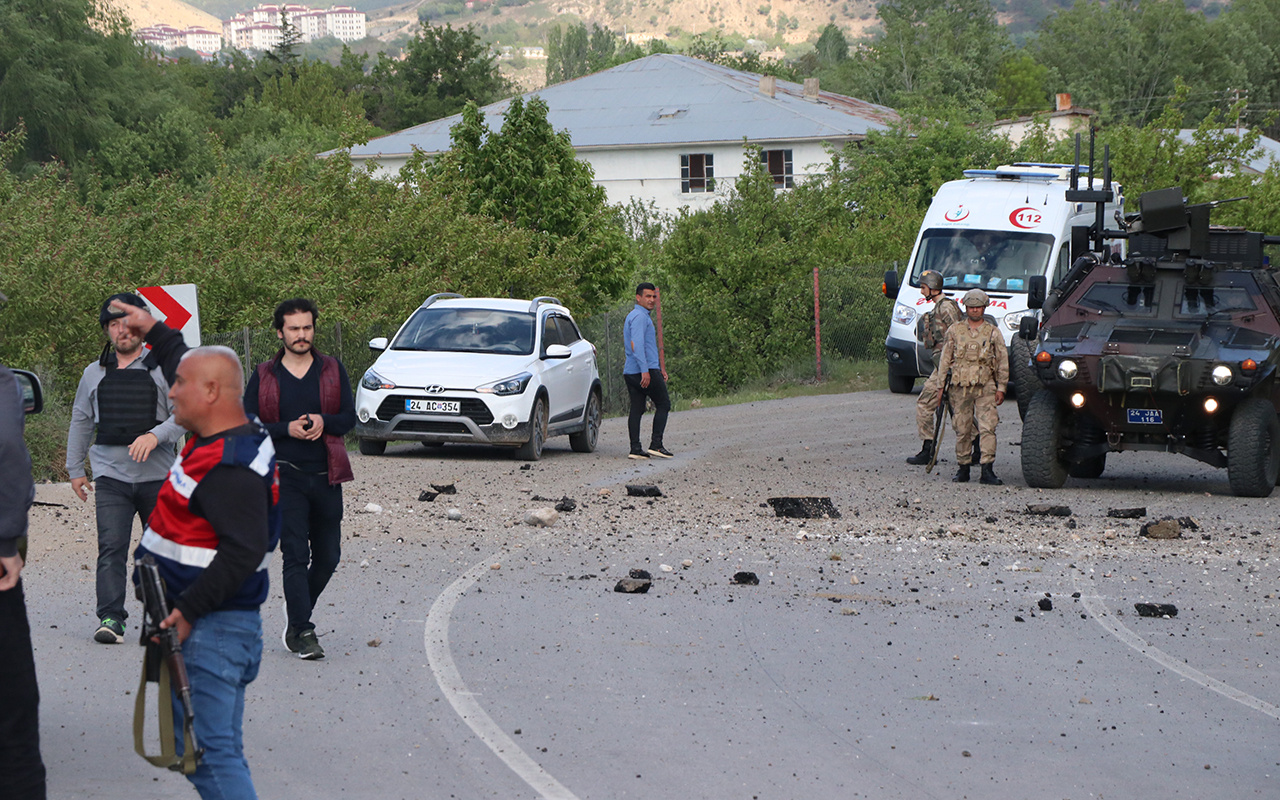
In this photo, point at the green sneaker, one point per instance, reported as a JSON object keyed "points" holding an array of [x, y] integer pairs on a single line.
{"points": [[291, 639], [310, 648], [110, 631]]}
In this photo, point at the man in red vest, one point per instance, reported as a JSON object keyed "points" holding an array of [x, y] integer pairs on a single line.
{"points": [[303, 398]]}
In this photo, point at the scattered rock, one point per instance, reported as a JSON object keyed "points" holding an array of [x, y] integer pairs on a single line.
{"points": [[632, 586], [604, 492], [1047, 510], [1190, 524], [374, 643], [854, 580], [1045, 604], [542, 517], [445, 488], [643, 490], [372, 508], [453, 514], [745, 579], [640, 574], [566, 505], [666, 568], [1127, 513], [426, 496], [688, 562], [495, 566], [364, 563], [1167, 528], [1018, 619], [526, 466], [804, 507], [1156, 609]]}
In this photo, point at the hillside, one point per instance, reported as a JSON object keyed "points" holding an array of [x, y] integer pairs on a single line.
{"points": [[169, 12]]}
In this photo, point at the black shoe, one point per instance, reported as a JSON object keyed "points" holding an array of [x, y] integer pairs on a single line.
{"points": [[926, 453], [291, 639], [989, 476], [637, 452], [660, 452], [962, 474], [110, 631], [310, 646]]}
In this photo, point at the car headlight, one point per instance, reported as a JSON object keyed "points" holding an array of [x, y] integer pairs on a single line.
{"points": [[904, 315], [1222, 375], [1067, 369], [507, 386], [1014, 318], [374, 382]]}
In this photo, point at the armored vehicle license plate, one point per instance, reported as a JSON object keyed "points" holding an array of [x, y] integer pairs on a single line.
{"points": [[1145, 416], [433, 406]]}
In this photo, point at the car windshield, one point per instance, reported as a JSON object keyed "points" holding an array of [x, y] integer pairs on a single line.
{"points": [[1201, 301], [981, 259], [467, 330], [1118, 298]]}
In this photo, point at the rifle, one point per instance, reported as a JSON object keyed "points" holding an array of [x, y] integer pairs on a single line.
{"points": [[943, 407], [163, 664]]}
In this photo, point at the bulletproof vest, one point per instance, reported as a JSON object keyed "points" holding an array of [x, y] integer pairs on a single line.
{"points": [[126, 404]]}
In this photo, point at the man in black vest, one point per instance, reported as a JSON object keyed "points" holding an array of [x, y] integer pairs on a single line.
{"points": [[124, 395], [304, 400]]}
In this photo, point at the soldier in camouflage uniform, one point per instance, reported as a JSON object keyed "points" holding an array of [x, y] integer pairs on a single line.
{"points": [[933, 330], [975, 353]]}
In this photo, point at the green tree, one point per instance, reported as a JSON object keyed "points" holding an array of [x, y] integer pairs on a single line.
{"points": [[832, 47], [1021, 86]]}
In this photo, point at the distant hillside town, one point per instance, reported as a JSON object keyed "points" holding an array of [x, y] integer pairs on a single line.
{"points": [[260, 29]]}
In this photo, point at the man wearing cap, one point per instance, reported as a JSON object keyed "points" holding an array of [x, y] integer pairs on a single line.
{"points": [[124, 396], [933, 331], [975, 353]]}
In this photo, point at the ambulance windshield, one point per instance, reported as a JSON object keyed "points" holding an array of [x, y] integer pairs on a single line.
{"points": [[998, 261]]}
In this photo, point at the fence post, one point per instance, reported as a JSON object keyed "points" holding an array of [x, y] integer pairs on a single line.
{"points": [[337, 339], [248, 355], [662, 353], [817, 324]]}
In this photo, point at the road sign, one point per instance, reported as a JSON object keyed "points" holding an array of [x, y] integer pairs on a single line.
{"points": [[177, 307]]}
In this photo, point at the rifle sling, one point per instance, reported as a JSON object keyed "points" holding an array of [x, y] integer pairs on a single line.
{"points": [[168, 758]]}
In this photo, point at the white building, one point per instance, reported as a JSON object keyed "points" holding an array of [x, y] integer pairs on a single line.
{"points": [[670, 128], [1064, 121], [342, 22], [166, 37]]}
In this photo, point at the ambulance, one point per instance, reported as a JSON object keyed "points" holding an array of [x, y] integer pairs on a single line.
{"points": [[993, 231]]}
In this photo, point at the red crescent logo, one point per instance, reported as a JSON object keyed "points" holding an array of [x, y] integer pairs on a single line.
{"points": [[957, 214], [1025, 217]]}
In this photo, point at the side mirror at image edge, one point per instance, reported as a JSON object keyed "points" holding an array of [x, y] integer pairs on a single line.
{"points": [[32, 394], [1037, 289]]}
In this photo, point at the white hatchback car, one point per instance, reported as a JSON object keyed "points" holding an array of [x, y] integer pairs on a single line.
{"points": [[482, 370]]}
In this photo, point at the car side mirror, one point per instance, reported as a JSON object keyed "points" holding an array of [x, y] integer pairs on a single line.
{"points": [[379, 344], [1027, 328], [890, 286], [32, 395], [1037, 289], [557, 351]]}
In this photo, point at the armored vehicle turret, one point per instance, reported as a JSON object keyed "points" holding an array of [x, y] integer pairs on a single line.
{"points": [[1172, 347]]}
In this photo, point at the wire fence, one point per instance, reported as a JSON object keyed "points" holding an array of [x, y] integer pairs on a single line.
{"points": [[847, 319]]}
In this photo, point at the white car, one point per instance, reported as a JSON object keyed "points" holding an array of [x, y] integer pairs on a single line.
{"points": [[482, 370]]}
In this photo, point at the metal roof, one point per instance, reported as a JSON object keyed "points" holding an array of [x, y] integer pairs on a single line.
{"points": [[1267, 148], [666, 99]]}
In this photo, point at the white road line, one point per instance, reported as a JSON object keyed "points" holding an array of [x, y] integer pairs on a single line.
{"points": [[435, 640], [1117, 629]]}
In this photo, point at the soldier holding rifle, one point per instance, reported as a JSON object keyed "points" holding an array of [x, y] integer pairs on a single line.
{"points": [[978, 360], [214, 523]]}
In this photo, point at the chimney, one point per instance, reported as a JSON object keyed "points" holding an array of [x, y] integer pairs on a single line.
{"points": [[1062, 102], [768, 85], [811, 89]]}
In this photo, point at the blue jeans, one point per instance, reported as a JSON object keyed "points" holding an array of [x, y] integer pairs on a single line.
{"points": [[117, 503], [222, 654], [310, 540]]}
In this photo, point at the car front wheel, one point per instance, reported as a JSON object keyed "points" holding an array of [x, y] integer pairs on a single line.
{"points": [[532, 449], [372, 447], [585, 440]]}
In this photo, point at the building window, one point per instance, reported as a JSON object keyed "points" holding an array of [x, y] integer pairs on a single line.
{"points": [[696, 173], [778, 162]]}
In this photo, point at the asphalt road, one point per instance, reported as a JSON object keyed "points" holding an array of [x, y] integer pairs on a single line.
{"points": [[898, 651]]}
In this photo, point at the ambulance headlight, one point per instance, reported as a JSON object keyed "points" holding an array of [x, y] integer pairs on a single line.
{"points": [[904, 315]]}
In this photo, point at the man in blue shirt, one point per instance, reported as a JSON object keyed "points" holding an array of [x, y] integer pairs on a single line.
{"points": [[644, 375]]}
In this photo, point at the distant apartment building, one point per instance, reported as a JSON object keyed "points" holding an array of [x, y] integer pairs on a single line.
{"points": [[166, 37], [259, 28]]}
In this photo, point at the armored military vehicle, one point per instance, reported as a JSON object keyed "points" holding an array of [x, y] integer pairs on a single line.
{"points": [[1172, 347]]}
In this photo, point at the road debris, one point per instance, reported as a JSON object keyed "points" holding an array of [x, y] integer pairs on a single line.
{"points": [[632, 586], [542, 517], [804, 507], [1127, 513], [1048, 510], [643, 490], [745, 579], [1156, 609]]}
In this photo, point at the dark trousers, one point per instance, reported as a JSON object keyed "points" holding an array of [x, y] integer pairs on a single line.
{"points": [[117, 503], [21, 770], [657, 391], [310, 539]]}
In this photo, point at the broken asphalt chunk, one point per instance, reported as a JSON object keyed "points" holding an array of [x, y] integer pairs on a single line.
{"points": [[566, 504], [643, 490], [1167, 528], [745, 579], [1156, 609], [804, 507], [640, 574], [1047, 510], [1127, 513], [632, 586], [427, 496], [445, 488], [1045, 604]]}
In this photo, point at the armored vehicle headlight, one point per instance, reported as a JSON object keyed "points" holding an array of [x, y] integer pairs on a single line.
{"points": [[1067, 369], [1222, 375], [1210, 405], [904, 315], [1077, 400]]}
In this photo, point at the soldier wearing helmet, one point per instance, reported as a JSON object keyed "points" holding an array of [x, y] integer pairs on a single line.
{"points": [[975, 353], [932, 328]]}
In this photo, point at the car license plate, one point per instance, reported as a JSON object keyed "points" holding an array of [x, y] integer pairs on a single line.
{"points": [[433, 406], [1146, 416]]}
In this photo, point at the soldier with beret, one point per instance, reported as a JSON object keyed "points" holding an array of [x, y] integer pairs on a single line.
{"points": [[975, 353]]}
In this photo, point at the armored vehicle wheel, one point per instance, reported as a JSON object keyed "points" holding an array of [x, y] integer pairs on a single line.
{"points": [[901, 384], [1090, 468], [1253, 449], [1024, 375], [1043, 466], [372, 447]]}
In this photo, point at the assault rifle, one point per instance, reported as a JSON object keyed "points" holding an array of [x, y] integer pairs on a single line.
{"points": [[163, 665], [943, 407]]}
